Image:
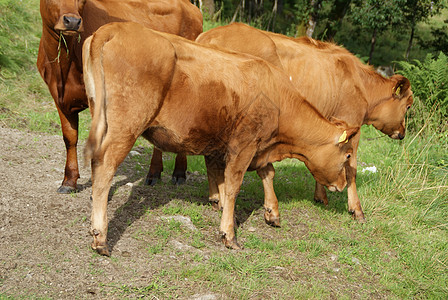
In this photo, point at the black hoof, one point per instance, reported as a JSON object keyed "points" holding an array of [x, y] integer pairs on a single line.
{"points": [[178, 180], [64, 189], [152, 180]]}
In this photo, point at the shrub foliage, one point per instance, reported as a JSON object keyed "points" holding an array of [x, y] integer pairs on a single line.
{"points": [[429, 81]]}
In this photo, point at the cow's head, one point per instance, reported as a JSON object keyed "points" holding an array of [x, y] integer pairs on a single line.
{"points": [[63, 16], [328, 162], [389, 115]]}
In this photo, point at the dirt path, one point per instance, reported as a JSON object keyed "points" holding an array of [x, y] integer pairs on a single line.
{"points": [[44, 240]]}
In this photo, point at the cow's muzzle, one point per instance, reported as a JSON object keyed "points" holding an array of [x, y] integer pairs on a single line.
{"points": [[72, 23], [69, 24], [397, 135]]}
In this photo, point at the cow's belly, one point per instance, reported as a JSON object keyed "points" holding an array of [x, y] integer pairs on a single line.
{"points": [[196, 142]]}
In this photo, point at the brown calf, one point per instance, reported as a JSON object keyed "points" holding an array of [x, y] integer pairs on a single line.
{"points": [[65, 26], [236, 110], [334, 81]]}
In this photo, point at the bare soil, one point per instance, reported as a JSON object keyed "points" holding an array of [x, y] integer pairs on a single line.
{"points": [[44, 241]]}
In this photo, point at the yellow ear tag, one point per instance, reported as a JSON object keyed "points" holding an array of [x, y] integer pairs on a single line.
{"points": [[343, 137], [397, 92]]}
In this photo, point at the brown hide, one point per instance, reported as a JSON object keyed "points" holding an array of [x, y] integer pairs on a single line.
{"points": [[65, 26], [337, 83], [240, 112]]}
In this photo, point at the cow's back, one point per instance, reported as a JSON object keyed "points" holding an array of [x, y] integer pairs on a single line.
{"points": [[178, 17], [242, 38]]}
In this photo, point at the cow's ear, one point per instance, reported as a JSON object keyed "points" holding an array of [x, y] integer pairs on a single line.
{"points": [[400, 87], [347, 134], [338, 122]]}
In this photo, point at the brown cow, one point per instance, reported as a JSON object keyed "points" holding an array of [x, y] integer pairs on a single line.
{"points": [[334, 81], [240, 113], [65, 26]]}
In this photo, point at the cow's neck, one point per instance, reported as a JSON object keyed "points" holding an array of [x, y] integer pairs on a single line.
{"points": [[301, 130], [60, 52], [377, 90]]}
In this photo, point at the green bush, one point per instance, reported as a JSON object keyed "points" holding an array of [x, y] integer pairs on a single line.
{"points": [[429, 80]]}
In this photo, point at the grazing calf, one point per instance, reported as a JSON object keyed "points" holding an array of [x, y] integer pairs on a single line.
{"points": [[337, 83], [238, 111], [65, 26]]}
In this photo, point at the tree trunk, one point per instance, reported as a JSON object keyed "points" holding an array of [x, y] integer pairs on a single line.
{"points": [[312, 21], [236, 12], [335, 18], [208, 7], [408, 50], [272, 17], [372, 46]]}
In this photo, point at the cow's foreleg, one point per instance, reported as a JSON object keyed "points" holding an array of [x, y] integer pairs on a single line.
{"points": [[320, 194], [69, 124], [155, 169], [180, 169], [354, 205], [271, 213]]}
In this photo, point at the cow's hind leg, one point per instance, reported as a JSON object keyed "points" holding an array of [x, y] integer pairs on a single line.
{"points": [[180, 169], [215, 174], [103, 169], [69, 124], [271, 213], [236, 167], [155, 168]]}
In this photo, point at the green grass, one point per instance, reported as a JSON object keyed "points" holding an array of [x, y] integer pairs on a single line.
{"points": [[319, 252], [400, 252]]}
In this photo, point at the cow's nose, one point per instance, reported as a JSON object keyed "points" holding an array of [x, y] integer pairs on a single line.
{"points": [[400, 136], [72, 23]]}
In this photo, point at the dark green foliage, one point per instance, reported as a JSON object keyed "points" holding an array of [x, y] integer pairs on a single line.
{"points": [[440, 40], [429, 81]]}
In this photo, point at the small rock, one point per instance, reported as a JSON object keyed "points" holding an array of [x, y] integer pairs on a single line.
{"points": [[179, 246], [134, 153], [125, 253], [10, 265], [130, 184], [186, 221], [355, 260], [204, 297], [251, 229]]}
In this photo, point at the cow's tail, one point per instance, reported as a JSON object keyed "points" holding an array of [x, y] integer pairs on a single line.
{"points": [[96, 93]]}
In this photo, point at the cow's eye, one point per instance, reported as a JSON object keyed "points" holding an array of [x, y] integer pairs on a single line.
{"points": [[408, 107], [348, 155]]}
